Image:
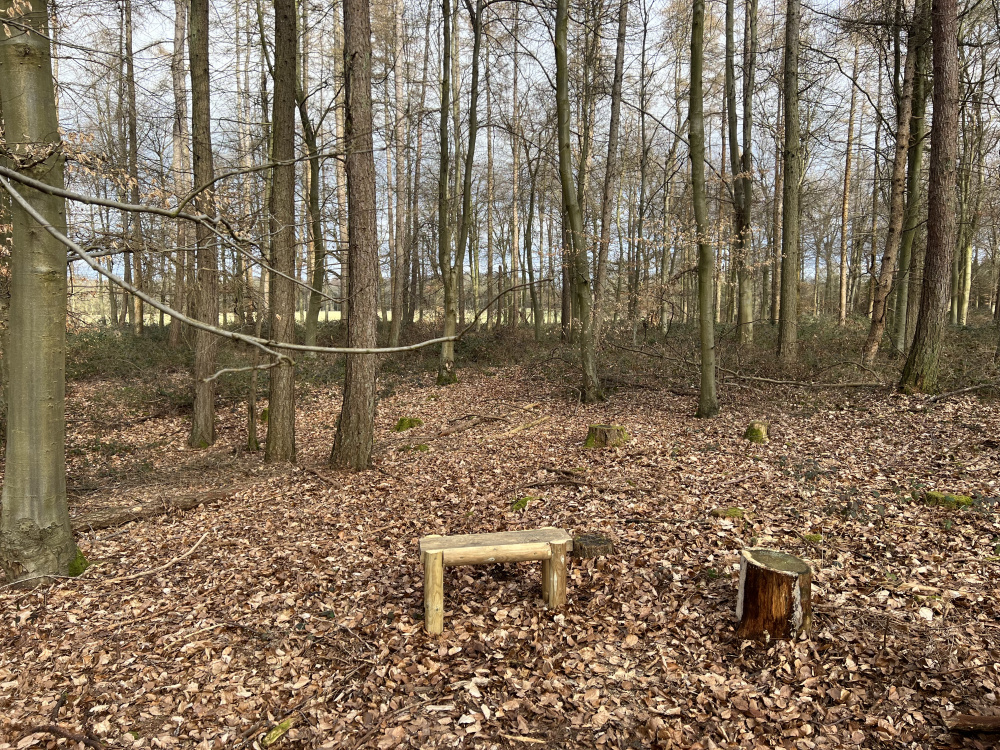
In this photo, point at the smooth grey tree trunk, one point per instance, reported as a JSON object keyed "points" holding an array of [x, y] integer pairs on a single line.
{"points": [[35, 535]]}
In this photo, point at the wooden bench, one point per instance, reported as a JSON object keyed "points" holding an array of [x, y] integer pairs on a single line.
{"points": [[550, 545]]}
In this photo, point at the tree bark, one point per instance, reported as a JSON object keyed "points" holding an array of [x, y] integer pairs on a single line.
{"points": [[846, 200], [399, 267], [446, 365], [180, 162], [894, 230], [612, 174], [921, 370], [708, 402], [280, 444], [135, 225], [792, 171], [591, 387], [352, 447], [35, 535], [207, 301], [741, 163], [903, 321]]}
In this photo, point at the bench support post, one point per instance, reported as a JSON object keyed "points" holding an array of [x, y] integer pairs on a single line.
{"points": [[434, 591], [554, 576]]}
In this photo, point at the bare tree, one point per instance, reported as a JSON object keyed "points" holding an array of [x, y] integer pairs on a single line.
{"points": [[921, 370], [207, 287], [280, 445], [708, 402], [352, 446]]}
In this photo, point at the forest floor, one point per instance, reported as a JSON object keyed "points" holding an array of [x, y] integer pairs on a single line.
{"points": [[271, 598]]}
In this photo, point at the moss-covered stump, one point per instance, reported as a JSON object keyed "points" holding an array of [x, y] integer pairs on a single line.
{"points": [[732, 512], [407, 423], [756, 432], [586, 546], [606, 436], [775, 595], [947, 500]]}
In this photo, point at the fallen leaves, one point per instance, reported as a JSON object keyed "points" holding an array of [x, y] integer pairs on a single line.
{"points": [[298, 615]]}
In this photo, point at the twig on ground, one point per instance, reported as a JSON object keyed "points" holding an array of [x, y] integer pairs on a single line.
{"points": [[161, 568], [967, 389], [526, 426], [87, 739]]}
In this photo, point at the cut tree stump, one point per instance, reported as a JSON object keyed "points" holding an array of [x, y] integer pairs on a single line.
{"points": [[586, 546], [549, 545], [756, 432], [775, 598], [606, 436]]}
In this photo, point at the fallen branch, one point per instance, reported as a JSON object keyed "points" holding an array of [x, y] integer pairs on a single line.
{"points": [[162, 567], [565, 480], [968, 389], [973, 723], [330, 481], [526, 426], [754, 378], [87, 739], [478, 420]]}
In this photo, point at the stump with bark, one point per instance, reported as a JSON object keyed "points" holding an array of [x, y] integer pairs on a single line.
{"points": [[606, 436], [586, 546], [756, 432], [775, 599]]}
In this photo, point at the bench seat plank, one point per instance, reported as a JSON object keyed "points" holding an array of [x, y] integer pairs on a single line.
{"points": [[504, 546]]}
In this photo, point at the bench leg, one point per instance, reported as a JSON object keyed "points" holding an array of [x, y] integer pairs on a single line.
{"points": [[554, 576], [434, 592]]}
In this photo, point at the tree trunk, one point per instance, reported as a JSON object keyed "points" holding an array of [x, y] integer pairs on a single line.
{"points": [[903, 320], [280, 444], [776, 224], [612, 174], [591, 388], [708, 403], [35, 535], [883, 284], [741, 163], [921, 370], [413, 244], [207, 289], [792, 171], [180, 162], [446, 365], [846, 201], [352, 447], [399, 270], [135, 234]]}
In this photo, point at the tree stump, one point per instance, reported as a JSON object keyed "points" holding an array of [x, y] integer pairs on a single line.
{"points": [[606, 436], [586, 546], [756, 432], [775, 597]]}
